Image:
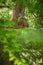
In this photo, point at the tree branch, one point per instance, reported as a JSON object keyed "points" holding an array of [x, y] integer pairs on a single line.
{"points": [[4, 6]]}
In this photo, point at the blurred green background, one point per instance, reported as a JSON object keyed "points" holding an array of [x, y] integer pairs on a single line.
{"points": [[22, 46]]}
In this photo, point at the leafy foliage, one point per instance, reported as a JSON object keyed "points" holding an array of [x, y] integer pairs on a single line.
{"points": [[23, 46]]}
